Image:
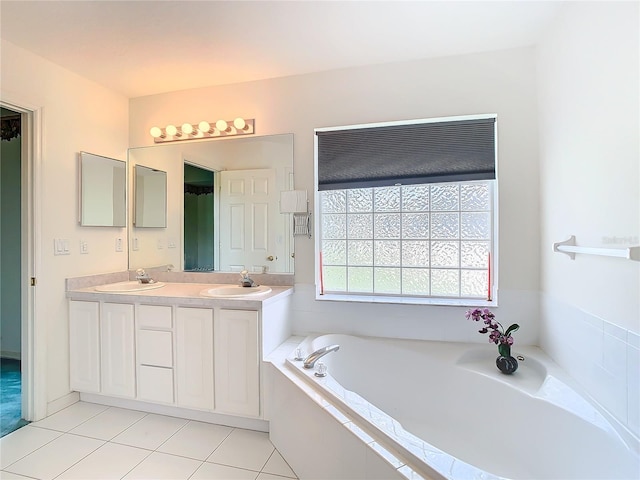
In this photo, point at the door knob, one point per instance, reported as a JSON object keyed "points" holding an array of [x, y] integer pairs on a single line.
{"points": [[271, 258]]}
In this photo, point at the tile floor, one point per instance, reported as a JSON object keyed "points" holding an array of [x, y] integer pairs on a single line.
{"points": [[89, 441]]}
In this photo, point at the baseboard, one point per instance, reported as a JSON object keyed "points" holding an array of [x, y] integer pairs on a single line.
{"points": [[11, 355], [197, 415], [62, 402]]}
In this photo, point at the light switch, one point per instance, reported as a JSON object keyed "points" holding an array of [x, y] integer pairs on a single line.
{"points": [[118, 244], [61, 246]]}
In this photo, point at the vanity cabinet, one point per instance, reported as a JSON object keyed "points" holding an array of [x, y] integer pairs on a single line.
{"points": [[154, 353], [206, 359], [237, 362], [194, 362], [102, 348]]}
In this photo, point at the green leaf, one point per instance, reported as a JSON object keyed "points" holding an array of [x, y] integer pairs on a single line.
{"points": [[512, 328]]}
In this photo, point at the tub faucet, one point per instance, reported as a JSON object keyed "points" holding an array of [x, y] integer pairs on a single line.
{"points": [[245, 280], [311, 360]]}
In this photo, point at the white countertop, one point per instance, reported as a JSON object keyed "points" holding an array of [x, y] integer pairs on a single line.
{"points": [[187, 294]]}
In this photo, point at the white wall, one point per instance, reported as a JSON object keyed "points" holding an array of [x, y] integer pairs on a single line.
{"points": [[78, 115], [500, 82], [588, 70]]}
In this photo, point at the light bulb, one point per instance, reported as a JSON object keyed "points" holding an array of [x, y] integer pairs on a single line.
{"points": [[187, 128], [156, 132], [204, 127], [221, 125], [171, 130], [239, 123]]}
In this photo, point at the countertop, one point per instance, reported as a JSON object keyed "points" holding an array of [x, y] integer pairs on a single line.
{"points": [[184, 294]]}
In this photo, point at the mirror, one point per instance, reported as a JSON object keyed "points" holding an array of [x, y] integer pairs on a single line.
{"points": [[103, 190], [150, 199], [222, 206]]}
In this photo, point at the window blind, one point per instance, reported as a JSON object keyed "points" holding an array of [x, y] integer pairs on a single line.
{"points": [[447, 151]]}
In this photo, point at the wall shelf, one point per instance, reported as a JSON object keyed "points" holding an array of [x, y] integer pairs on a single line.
{"points": [[569, 247]]}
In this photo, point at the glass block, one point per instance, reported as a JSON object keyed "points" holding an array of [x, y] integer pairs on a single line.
{"points": [[360, 225], [445, 283], [334, 252], [474, 283], [334, 279], [334, 201], [476, 225], [360, 279], [415, 281], [415, 198], [360, 252], [445, 254], [474, 254], [387, 225], [475, 196], [445, 225], [387, 280], [360, 200], [334, 226], [387, 253], [415, 253], [387, 199], [415, 225], [445, 197]]}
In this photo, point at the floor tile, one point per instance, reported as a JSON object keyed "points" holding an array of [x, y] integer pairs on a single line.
{"points": [[55, 457], [108, 462], [196, 440], [277, 465], [244, 449], [109, 423], [268, 476], [161, 466], [150, 432], [70, 417], [22, 442], [213, 471]]}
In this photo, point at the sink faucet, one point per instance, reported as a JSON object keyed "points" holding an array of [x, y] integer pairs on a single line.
{"points": [[245, 280], [311, 360], [143, 277]]}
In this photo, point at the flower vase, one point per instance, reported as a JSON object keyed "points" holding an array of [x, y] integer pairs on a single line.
{"points": [[505, 362]]}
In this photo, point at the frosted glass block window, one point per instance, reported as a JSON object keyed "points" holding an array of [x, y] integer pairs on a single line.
{"points": [[427, 240]]}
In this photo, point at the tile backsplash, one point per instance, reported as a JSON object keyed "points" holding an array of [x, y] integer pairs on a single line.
{"points": [[603, 357]]}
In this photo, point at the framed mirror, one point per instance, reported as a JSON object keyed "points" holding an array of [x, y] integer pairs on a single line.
{"points": [[222, 206], [103, 191], [150, 197]]}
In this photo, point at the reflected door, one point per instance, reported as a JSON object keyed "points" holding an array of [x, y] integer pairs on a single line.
{"points": [[249, 220]]}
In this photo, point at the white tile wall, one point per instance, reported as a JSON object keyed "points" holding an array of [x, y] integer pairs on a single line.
{"points": [[600, 355]]}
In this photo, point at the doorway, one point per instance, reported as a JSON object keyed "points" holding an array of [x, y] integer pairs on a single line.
{"points": [[199, 230], [11, 183]]}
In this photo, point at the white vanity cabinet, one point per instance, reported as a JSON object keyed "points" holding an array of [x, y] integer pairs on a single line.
{"points": [[102, 348], [154, 353], [237, 362], [194, 362]]}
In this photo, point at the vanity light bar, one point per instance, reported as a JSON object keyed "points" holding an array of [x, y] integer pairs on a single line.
{"points": [[219, 129]]}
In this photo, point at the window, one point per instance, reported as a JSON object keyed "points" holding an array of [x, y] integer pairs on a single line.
{"points": [[413, 236]]}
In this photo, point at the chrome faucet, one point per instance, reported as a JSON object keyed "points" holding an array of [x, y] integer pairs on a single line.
{"points": [[311, 360], [245, 280], [143, 277]]}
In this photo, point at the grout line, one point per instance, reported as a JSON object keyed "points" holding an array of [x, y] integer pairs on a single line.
{"points": [[74, 464]]}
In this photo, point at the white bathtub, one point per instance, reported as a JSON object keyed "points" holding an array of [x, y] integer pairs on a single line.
{"points": [[449, 413]]}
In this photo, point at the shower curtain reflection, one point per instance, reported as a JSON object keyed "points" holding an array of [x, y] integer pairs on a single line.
{"points": [[198, 219]]}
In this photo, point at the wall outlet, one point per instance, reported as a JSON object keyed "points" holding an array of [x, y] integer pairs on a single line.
{"points": [[84, 247], [118, 244], [134, 243]]}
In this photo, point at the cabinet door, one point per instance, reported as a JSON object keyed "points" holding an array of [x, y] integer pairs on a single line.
{"points": [[84, 346], [194, 357], [118, 350], [155, 384], [237, 366]]}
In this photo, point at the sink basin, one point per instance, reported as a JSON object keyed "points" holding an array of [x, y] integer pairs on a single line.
{"points": [[132, 286], [235, 291]]}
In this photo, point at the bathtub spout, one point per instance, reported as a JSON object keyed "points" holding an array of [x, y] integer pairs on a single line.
{"points": [[311, 360]]}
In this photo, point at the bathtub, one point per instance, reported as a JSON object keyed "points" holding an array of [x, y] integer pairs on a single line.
{"points": [[446, 410]]}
